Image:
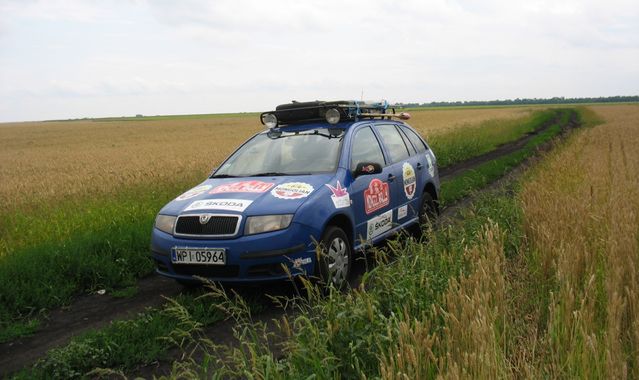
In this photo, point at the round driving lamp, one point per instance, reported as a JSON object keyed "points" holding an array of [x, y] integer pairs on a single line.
{"points": [[269, 120], [332, 116]]}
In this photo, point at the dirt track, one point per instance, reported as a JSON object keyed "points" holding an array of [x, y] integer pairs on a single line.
{"points": [[95, 311]]}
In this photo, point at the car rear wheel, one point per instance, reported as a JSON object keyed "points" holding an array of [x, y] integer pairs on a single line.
{"points": [[427, 211], [335, 257]]}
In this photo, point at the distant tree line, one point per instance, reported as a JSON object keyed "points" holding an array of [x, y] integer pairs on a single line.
{"points": [[523, 101]]}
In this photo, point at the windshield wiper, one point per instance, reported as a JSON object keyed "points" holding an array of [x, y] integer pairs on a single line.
{"points": [[268, 174], [223, 176]]}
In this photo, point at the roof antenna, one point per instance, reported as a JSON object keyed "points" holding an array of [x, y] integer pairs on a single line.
{"points": [[361, 99]]}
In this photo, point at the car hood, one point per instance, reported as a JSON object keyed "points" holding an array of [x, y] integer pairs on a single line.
{"points": [[248, 195]]}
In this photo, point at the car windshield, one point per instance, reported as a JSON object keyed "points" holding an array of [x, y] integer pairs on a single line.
{"points": [[284, 153]]}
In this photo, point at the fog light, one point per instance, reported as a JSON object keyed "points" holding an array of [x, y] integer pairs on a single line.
{"points": [[269, 120], [332, 116]]}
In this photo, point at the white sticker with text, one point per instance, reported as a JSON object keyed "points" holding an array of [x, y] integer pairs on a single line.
{"points": [[237, 205], [379, 224], [292, 190], [402, 212], [297, 263]]}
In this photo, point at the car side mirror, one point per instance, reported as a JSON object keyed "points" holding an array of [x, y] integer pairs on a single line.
{"points": [[367, 168]]}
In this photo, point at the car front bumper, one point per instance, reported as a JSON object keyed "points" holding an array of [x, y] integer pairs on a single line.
{"points": [[262, 257]]}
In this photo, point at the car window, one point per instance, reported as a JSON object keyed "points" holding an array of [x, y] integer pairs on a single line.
{"points": [[366, 148], [306, 152], [408, 144], [393, 142], [416, 140]]}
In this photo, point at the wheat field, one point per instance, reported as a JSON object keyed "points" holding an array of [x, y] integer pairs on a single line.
{"points": [[567, 304], [46, 161], [582, 215]]}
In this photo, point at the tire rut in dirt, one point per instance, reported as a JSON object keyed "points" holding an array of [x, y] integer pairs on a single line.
{"points": [[86, 312], [502, 150]]}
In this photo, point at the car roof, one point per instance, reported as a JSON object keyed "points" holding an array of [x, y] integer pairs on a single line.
{"points": [[346, 125]]}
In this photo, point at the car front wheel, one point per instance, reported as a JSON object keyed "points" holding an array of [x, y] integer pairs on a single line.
{"points": [[334, 257]]}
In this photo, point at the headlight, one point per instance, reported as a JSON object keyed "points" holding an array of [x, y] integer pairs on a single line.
{"points": [[266, 223], [165, 223]]}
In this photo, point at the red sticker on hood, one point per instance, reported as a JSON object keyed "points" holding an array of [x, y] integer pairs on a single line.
{"points": [[243, 187]]}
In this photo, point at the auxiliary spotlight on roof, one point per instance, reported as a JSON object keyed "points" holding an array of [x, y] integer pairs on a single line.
{"points": [[332, 112]]}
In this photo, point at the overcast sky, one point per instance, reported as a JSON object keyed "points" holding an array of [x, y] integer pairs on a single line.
{"points": [[68, 59]]}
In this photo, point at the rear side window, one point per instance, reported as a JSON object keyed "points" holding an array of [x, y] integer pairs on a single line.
{"points": [[408, 144], [393, 142], [366, 148], [416, 140]]}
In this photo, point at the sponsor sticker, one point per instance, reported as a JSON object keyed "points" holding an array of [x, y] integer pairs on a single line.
{"points": [[376, 196], [297, 263], [243, 187], [237, 205], [194, 192], [410, 181], [340, 197], [368, 169], [292, 190], [379, 224], [429, 161], [402, 212]]}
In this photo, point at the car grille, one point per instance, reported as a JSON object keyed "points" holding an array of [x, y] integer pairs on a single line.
{"points": [[218, 225]]}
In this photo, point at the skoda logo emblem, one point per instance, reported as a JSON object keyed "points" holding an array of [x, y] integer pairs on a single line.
{"points": [[204, 218]]}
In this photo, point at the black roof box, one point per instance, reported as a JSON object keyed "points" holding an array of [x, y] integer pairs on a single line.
{"points": [[296, 112]]}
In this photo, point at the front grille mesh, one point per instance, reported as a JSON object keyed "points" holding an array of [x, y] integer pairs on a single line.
{"points": [[217, 225]]}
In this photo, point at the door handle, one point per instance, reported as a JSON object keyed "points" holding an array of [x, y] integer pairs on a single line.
{"points": [[419, 166], [391, 178]]}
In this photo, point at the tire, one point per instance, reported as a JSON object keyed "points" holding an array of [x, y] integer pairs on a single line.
{"points": [[428, 211], [335, 257]]}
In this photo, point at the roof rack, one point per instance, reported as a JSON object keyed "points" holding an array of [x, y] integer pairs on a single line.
{"points": [[331, 111]]}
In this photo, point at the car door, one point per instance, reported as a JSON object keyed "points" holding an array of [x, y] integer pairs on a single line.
{"points": [[403, 169], [413, 174], [371, 193]]}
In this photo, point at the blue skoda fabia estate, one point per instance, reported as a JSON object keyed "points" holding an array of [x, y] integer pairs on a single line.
{"points": [[322, 181]]}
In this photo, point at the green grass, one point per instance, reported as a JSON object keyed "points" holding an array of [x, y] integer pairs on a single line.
{"points": [[76, 247], [477, 178], [588, 118], [125, 344], [465, 143], [345, 335]]}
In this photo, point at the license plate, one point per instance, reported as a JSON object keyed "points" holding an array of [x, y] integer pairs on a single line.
{"points": [[207, 256]]}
